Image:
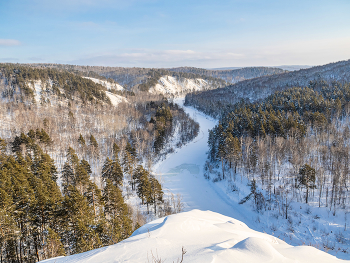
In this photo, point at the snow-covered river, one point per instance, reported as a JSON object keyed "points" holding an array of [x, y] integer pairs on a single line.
{"points": [[182, 173], [206, 236]]}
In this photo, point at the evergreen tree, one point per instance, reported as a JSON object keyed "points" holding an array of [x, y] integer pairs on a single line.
{"points": [[120, 225], [93, 142], [307, 177], [129, 162], [156, 193], [81, 140]]}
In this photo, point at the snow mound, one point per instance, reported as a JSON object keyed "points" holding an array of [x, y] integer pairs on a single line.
{"points": [[171, 86], [106, 84], [115, 99], [206, 236]]}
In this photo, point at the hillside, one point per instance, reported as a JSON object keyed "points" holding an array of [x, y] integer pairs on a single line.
{"points": [[199, 236], [232, 75], [216, 101], [147, 78], [71, 151]]}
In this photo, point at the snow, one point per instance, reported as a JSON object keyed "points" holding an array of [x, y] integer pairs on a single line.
{"points": [[37, 89], [214, 227], [206, 237], [172, 86], [182, 173], [106, 84], [115, 99]]}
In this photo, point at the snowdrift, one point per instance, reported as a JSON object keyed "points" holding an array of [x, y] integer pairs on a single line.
{"points": [[206, 236]]}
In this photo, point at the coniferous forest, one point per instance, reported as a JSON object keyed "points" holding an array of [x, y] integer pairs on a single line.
{"points": [[75, 170], [294, 144]]}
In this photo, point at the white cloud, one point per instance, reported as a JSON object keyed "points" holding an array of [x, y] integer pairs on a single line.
{"points": [[309, 52], [9, 42]]}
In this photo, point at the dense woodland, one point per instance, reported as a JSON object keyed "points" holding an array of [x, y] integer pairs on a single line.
{"points": [[19, 80], [131, 78], [75, 170], [215, 102], [231, 76], [42, 219], [294, 143]]}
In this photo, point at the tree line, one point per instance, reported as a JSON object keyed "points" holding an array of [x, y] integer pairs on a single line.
{"points": [[293, 143], [42, 218], [20, 81]]}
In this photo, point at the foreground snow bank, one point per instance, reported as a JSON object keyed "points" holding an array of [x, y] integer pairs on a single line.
{"points": [[207, 237]]}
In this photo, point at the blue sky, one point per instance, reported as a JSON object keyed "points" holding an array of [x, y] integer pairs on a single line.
{"points": [[151, 33]]}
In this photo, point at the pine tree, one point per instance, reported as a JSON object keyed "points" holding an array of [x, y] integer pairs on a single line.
{"points": [[80, 234], [143, 186], [129, 162], [53, 246], [93, 142], [68, 176], [116, 150], [156, 192], [81, 140], [307, 177], [116, 211]]}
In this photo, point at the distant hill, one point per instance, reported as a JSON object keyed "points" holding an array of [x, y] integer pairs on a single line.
{"points": [[284, 67], [212, 102], [293, 67], [231, 76]]}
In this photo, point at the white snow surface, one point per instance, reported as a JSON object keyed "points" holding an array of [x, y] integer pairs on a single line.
{"points": [[107, 84], [115, 99], [206, 236], [171, 86]]}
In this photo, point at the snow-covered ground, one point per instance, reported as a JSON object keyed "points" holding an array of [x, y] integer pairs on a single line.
{"points": [[115, 99], [182, 172], [168, 85], [107, 84], [217, 235], [205, 236]]}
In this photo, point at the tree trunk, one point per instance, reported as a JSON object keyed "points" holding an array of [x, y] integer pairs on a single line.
{"points": [[223, 169]]}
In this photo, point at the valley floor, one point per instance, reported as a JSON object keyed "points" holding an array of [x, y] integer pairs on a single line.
{"points": [[182, 173], [211, 237]]}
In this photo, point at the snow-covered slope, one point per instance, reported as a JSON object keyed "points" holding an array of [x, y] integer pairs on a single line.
{"points": [[107, 84], [206, 236], [115, 99], [171, 86]]}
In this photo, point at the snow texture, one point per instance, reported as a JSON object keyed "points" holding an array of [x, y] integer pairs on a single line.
{"points": [[107, 84], [226, 233], [115, 99], [168, 85], [206, 236]]}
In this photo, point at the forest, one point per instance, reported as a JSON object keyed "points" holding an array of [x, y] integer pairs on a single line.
{"points": [[215, 102], [294, 144], [75, 170], [144, 78], [232, 76]]}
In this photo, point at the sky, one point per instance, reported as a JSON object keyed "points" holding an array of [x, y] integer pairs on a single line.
{"points": [[152, 33]]}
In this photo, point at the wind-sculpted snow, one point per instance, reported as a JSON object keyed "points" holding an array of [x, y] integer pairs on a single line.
{"points": [[206, 236]]}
